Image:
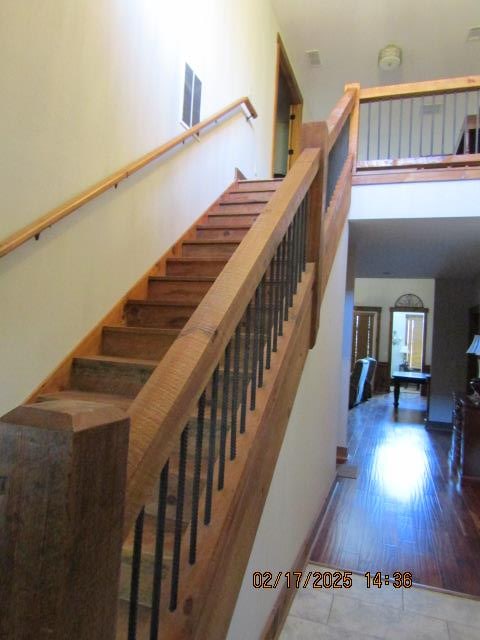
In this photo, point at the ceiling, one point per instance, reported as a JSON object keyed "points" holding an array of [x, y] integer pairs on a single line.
{"points": [[350, 33], [416, 248]]}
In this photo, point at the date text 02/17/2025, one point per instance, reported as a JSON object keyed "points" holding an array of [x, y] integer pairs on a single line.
{"points": [[329, 579]]}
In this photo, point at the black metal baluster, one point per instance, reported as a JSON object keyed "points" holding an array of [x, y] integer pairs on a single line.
{"points": [[379, 128], [422, 117], [211, 447], [262, 330], [246, 367], [196, 477], [410, 129], [236, 368], [135, 576], [291, 261], [270, 312], [298, 252], [177, 542], [389, 127], [466, 146], [295, 254], [400, 127], [256, 327], [444, 115], [477, 121], [434, 104], [304, 231], [288, 258], [368, 129], [224, 418], [283, 285], [276, 297], [159, 549], [454, 151]]}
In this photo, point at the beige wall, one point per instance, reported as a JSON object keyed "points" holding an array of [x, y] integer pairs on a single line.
{"points": [[86, 87], [306, 466], [383, 292]]}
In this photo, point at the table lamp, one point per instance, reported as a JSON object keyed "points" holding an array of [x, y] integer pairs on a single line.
{"points": [[474, 350]]}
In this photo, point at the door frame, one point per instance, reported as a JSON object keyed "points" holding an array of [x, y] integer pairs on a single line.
{"points": [[423, 310], [283, 67], [378, 311]]}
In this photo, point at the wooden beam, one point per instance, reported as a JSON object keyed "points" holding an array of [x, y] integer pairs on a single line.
{"points": [[412, 89], [466, 159], [334, 222], [163, 406], [392, 176], [354, 122], [63, 469], [55, 215], [316, 135], [339, 114]]}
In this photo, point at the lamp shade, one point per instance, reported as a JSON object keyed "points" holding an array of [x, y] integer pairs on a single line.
{"points": [[474, 348]]}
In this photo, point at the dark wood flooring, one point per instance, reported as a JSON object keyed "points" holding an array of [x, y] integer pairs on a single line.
{"points": [[405, 511]]}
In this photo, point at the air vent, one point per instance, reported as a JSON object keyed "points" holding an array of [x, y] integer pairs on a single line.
{"points": [[431, 108], [473, 34], [314, 57]]}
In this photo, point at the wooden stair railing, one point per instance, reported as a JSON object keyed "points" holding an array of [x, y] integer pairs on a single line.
{"points": [[227, 378], [34, 229]]}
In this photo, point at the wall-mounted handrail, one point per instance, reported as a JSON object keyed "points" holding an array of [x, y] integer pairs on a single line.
{"points": [[55, 215]]}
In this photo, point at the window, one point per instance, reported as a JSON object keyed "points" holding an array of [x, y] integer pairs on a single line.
{"points": [[192, 95]]}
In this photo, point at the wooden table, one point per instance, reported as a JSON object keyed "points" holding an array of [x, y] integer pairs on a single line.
{"points": [[408, 376]]}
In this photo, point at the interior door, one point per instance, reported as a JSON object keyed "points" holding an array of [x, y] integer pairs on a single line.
{"points": [[365, 333]]}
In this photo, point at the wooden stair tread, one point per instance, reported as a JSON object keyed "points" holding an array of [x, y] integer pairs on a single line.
{"points": [[88, 396], [183, 278], [161, 303], [223, 225], [121, 328], [218, 241], [118, 360]]}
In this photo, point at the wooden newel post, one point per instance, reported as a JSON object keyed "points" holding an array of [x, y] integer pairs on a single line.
{"points": [[315, 135], [62, 488]]}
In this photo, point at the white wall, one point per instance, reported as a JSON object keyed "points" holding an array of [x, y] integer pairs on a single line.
{"points": [[415, 200], [306, 465], [87, 87], [383, 292]]}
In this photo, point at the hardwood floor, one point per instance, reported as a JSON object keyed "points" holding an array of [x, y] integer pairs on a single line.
{"points": [[405, 511]]}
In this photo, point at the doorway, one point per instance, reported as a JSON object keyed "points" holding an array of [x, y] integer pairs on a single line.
{"points": [[408, 332], [287, 117], [366, 333]]}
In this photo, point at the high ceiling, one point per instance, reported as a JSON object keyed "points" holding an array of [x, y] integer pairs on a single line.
{"points": [[350, 33]]}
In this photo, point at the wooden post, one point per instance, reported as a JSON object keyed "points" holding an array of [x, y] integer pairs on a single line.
{"points": [[62, 487], [354, 123], [315, 135]]}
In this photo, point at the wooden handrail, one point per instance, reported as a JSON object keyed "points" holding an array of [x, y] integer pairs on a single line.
{"points": [[412, 89], [467, 159], [164, 405], [339, 115], [55, 215]]}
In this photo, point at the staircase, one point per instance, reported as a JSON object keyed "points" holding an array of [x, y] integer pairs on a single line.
{"points": [[130, 352]]}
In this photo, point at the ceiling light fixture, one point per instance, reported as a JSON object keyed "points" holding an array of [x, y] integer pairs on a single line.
{"points": [[473, 34], [390, 57]]}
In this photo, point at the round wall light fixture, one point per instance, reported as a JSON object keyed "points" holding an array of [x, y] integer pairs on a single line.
{"points": [[390, 57]]}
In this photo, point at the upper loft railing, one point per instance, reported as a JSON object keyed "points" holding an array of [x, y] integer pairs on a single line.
{"points": [[232, 376], [34, 229], [423, 125]]}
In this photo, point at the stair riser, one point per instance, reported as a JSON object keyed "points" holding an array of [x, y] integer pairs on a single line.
{"points": [[255, 197], [206, 250], [223, 219], [142, 346], [155, 315], [190, 268], [146, 579], [233, 208], [265, 185], [104, 377], [191, 292], [221, 234]]}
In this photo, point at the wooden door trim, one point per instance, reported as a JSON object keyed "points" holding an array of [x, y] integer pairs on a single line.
{"points": [[284, 67], [423, 310]]}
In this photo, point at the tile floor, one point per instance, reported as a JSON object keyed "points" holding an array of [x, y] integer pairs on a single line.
{"points": [[386, 613]]}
